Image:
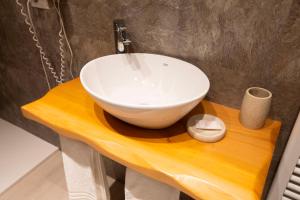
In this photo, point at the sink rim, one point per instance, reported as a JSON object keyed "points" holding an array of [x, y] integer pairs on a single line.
{"points": [[138, 106]]}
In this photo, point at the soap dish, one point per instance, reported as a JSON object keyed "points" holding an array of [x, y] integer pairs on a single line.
{"points": [[209, 134]]}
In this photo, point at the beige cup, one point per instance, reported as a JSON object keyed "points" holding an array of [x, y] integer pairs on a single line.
{"points": [[255, 107]]}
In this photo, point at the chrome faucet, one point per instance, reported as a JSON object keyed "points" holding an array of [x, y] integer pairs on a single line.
{"points": [[122, 42]]}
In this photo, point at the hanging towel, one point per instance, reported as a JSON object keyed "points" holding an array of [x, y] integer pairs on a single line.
{"points": [[84, 171], [140, 187]]}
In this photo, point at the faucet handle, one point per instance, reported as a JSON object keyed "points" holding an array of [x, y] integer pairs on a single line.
{"points": [[127, 42], [121, 28]]}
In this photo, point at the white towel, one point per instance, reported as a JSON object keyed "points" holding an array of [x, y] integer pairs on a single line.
{"points": [[84, 171], [140, 187]]}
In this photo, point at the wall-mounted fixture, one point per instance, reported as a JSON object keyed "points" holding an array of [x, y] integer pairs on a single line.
{"points": [[58, 76], [42, 4], [121, 36]]}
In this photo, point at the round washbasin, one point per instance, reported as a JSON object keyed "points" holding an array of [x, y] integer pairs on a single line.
{"points": [[147, 90]]}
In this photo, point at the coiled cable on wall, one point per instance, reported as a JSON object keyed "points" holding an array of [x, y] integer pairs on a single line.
{"points": [[62, 35], [62, 56], [31, 30]]}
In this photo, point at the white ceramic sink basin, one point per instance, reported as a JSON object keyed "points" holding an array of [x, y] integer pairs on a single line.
{"points": [[147, 90]]}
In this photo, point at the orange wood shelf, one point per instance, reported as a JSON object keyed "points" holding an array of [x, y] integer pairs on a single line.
{"points": [[233, 168]]}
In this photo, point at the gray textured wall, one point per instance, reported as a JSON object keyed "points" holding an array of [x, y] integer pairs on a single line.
{"points": [[237, 43]]}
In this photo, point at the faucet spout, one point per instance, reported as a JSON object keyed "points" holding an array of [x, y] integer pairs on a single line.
{"points": [[122, 42]]}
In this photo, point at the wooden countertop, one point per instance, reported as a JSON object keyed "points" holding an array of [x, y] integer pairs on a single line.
{"points": [[233, 168]]}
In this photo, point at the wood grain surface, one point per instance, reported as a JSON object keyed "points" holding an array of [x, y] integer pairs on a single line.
{"points": [[233, 168]]}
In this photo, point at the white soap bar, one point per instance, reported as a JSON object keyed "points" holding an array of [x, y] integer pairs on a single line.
{"points": [[208, 124]]}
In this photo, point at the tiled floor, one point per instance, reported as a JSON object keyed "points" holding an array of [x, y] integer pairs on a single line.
{"points": [[20, 152], [47, 182]]}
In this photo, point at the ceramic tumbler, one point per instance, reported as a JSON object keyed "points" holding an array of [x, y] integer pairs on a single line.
{"points": [[255, 107]]}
